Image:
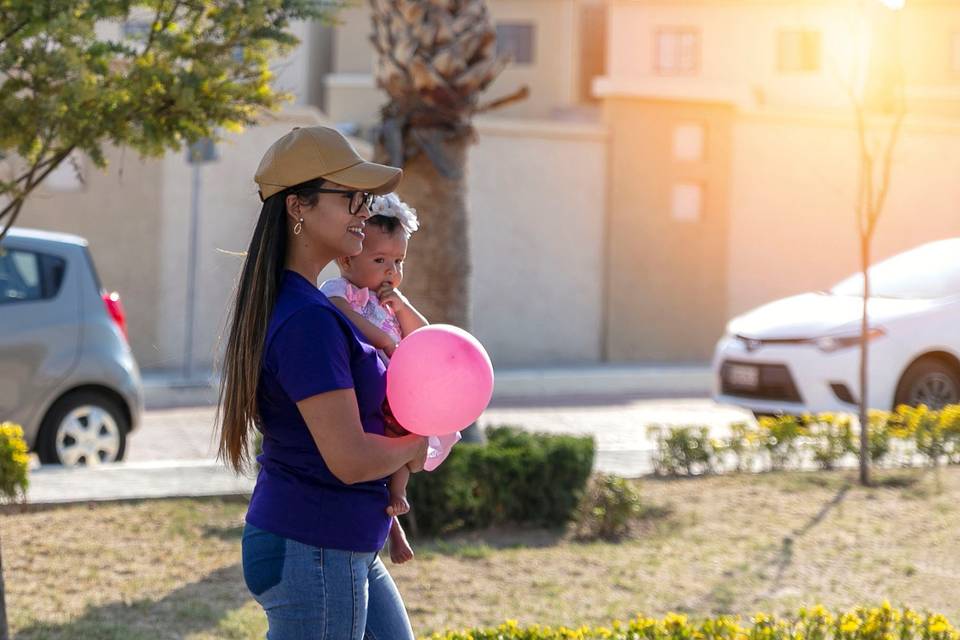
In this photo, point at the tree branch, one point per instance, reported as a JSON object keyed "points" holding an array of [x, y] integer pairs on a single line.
{"points": [[12, 210], [12, 32]]}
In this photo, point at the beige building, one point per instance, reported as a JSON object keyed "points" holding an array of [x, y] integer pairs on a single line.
{"points": [[717, 173], [558, 48], [733, 156], [137, 214]]}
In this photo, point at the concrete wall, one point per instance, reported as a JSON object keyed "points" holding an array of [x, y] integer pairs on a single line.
{"points": [[793, 189], [294, 73], [552, 77], [118, 210], [666, 264], [537, 198], [228, 211]]}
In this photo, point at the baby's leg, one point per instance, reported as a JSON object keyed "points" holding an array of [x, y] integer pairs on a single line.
{"points": [[398, 492], [400, 550]]}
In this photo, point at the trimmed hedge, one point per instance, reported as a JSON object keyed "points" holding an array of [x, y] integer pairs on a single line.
{"points": [[516, 478], [816, 623]]}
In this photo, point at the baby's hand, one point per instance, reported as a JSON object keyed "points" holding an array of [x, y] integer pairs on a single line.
{"points": [[392, 298]]}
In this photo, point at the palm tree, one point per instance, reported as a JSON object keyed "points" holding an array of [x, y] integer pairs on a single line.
{"points": [[435, 58]]}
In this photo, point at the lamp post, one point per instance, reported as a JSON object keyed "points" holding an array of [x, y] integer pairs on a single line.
{"points": [[201, 152]]}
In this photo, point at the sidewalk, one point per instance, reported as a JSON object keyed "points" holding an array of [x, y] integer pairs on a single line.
{"points": [[135, 481], [53, 485]]}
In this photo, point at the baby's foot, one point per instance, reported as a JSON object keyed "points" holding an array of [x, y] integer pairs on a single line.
{"points": [[398, 506], [400, 550]]}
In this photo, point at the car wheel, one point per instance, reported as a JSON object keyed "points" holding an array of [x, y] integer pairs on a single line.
{"points": [[83, 428], [931, 382]]}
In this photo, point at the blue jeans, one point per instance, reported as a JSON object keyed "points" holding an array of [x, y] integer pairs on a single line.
{"points": [[310, 593]]}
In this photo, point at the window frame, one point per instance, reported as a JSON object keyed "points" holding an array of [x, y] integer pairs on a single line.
{"points": [[521, 24], [678, 32]]}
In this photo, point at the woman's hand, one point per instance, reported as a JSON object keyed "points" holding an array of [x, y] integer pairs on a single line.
{"points": [[416, 464]]}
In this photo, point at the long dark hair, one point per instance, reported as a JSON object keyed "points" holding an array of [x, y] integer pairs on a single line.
{"points": [[255, 296]]}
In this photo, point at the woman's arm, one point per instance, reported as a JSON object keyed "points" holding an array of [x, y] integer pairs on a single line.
{"points": [[377, 336], [351, 454]]}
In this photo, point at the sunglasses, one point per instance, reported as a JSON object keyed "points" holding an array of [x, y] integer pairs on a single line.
{"points": [[358, 199]]}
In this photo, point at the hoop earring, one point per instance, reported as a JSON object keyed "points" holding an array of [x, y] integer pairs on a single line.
{"points": [[297, 228]]}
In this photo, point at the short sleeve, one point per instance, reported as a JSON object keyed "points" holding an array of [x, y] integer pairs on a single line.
{"points": [[335, 288], [309, 354]]}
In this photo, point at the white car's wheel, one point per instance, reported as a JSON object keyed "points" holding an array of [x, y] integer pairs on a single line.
{"points": [[931, 382]]}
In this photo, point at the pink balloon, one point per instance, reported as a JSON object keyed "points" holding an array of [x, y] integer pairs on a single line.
{"points": [[439, 381]]}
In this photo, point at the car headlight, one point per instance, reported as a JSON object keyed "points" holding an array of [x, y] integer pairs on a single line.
{"points": [[829, 344]]}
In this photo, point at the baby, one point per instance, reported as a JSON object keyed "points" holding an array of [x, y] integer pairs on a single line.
{"points": [[367, 293]]}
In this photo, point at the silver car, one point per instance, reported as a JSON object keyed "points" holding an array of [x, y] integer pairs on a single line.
{"points": [[67, 374]]}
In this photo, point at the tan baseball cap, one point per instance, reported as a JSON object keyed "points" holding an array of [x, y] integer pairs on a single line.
{"points": [[308, 153]]}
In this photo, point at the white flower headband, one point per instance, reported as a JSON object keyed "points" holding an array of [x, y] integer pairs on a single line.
{"points": [[390, 206]]}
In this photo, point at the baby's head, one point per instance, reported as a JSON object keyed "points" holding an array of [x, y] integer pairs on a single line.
{"points": [[387, 232]]}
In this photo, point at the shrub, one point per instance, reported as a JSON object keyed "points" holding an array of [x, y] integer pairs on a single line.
{"points": [[13, 462], [930, 430], [608, 509], [683, 450], [788, 441], [740, 445], [816, 623], [830, 437], [781, 436], [516, 477]]}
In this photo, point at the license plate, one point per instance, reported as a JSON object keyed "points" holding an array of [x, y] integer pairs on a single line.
{"points": [[743, 376]]}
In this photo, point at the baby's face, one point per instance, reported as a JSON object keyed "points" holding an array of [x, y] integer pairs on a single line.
{"points": [[381, 261]]}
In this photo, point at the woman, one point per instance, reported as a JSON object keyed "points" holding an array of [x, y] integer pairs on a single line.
{"points": [[299, 371]]}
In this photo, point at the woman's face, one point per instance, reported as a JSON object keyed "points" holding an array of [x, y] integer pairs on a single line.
{"points": [[328, 228], [380, 262]]}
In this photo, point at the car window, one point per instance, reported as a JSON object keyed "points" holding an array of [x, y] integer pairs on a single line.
{"points": [[29, 276], [928, 272]]}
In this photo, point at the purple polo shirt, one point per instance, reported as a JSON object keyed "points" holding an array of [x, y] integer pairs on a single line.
{"points": [[311, 348]]}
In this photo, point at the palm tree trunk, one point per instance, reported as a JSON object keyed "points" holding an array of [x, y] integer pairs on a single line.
{"points": [[437, 269]]}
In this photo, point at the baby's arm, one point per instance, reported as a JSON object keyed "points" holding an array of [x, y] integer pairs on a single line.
{"points": [[407, 315], [377, 336]]}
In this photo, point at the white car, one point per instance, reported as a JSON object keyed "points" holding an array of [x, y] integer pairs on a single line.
{"points": [[801, 354]]}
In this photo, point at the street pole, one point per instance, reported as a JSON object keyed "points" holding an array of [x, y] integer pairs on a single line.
{"points": [[199, 153], [192, 274]]}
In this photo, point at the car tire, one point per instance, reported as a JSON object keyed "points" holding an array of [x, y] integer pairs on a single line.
{"points": [[83, 427], [929, 381]]}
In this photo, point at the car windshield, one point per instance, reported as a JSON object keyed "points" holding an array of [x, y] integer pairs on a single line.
{"points": [[925, 273]]}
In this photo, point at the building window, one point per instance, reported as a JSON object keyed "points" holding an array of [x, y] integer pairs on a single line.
{"points": [[687, 201], [677, 51], [688, 142], [798, 51], [516, 38]]}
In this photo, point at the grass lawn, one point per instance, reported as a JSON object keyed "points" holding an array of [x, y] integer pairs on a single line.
{"points": [[734, 544]]}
